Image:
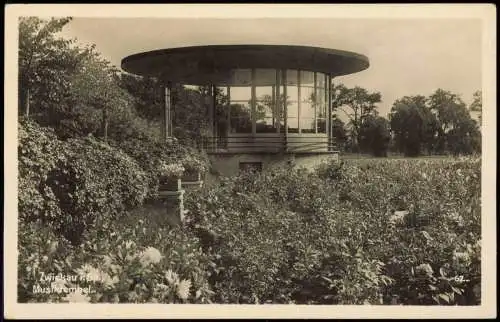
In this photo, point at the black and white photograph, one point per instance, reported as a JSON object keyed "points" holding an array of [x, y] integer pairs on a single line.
{"points": [[307, 161]]}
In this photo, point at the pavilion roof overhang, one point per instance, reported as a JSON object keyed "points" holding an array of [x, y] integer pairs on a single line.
{"points": [[202, 65]]}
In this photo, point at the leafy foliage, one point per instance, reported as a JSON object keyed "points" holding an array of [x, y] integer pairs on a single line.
{"points": [[142, 263], [70, 184], [440, 123], [375, 136], [357, 103], [457, 130], [45, 64], [377, 232], [477, 103], [413, 125]]}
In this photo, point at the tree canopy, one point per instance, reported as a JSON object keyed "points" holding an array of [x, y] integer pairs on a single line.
{"points": [[357, 104], [439, 124], [477, 104]]}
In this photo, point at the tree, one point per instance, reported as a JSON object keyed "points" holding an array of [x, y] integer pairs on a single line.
{"points": [[190, 114], [338, 131], [477, 104], [413, 125], [70, 88], [457, 132], [96, 84], [147, 93], [45, 64], [375, 135], [357, 104]]}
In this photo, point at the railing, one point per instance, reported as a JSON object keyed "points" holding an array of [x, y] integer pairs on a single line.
{"points": [[293, 143]]}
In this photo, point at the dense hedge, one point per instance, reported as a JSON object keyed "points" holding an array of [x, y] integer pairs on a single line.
{"points": [[420, 215], [39, 151]]}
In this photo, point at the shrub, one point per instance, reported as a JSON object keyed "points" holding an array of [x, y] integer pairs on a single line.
{"points": [[357, 232], [71, 184], [364, 232], [38, 153], [270, 238], [153, 155], [438, 201], [94, 182], [142, 263]]}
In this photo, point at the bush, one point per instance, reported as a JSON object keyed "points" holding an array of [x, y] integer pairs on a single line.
{"points": [[95, 182], [419, 213], [364, 232], [72, 184], [38, 153], [152, 155], [357, 232], [142, 263], [271, 239]]}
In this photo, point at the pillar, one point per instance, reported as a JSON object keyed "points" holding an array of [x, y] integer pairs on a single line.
{"points": [[173, 202]]}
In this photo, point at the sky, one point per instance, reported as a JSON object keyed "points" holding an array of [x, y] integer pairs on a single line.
{"points": [[407, 56]]}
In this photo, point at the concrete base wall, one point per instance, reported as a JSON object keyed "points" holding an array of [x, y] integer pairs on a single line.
{"points": [[229, 164]]}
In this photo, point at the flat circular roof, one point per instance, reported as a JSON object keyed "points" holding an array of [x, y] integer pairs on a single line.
{"points": [[201, 65]]}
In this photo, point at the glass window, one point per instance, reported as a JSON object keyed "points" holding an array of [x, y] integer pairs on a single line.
{"points": [[307, 125], [307, 94], [280, 110], [241, 77], [292, 119], [264, 107], [241, 118], [306, 112], [292, 109], [240, 111], [320, 80], [321, 112], [265, 77], [241, 94], [221, 112], [263, 91], [293, 125], [306, 78], [321, 104], [292, 93], [292, 103], [321, 125], [291, 77]]}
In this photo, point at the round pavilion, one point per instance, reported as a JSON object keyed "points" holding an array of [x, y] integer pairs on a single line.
{"points": [[277, 98]]}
